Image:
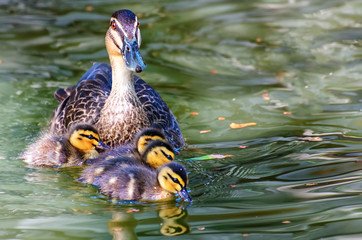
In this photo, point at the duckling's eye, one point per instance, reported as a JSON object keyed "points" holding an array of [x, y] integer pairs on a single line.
{"points": [[175, 180], [89, 136], [113, 25], [169, 157]]}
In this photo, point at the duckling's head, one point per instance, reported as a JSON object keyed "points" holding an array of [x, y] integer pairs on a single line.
{"points": [[146, 136], [158, 153], [172, 177], [123, 38], [85, 138]]}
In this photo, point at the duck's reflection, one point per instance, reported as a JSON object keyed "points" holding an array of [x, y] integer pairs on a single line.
{"points": [[123, 223]]}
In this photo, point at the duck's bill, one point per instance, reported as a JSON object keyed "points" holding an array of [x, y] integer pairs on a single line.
{"points": [[132, 56], [102, 145], [185, 195]]}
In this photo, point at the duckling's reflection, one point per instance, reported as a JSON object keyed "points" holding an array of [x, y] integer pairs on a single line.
{"points": [[174, 221], [122, 225]]}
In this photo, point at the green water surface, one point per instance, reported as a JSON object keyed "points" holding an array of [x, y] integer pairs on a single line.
{"points": [[291, 67]]}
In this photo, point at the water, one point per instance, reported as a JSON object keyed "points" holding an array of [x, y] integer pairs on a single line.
{"points": [[292, 67]]}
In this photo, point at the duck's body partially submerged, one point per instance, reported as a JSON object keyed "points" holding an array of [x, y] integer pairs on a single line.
{"points": [[130, 182], [79, 144], [112, 98]]}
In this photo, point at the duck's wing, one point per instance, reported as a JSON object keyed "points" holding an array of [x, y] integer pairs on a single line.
{"points": [[62, 93], [158, 113], [83, 102], [98, 69]]}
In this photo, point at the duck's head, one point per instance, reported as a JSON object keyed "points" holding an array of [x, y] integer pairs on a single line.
{"points": [[146, 136], [85, 138], [123, 38], [158, 153], [172, 177]]}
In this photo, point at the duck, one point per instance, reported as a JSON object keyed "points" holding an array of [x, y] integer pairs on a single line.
{"points": [[82, 142], [140, 183], [111, 97], [156, 154]]}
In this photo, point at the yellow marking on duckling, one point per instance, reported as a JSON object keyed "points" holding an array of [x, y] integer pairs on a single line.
{"points": [[156, 157], [145, 140]]}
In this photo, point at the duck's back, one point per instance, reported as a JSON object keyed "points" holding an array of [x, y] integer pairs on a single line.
{"points": [[91, 173], [83, 103]]}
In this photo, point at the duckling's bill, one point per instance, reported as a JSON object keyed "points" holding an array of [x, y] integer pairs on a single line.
{"points": [[185, 195], [101, 145]]}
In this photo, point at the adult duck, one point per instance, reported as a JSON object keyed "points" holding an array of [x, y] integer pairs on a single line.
{"points": [[112, 98]]}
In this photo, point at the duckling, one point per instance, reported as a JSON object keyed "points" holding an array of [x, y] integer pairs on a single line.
{"points": [[112, 98], [156, 154], [144, 184], [145, 136], [80, 143]]}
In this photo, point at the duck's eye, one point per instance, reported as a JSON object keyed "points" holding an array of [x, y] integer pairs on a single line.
{"points": [[138, 24], [113, 25]]}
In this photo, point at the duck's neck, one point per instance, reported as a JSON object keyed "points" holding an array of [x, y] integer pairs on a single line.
{"points": [[122, 115], [122, 78]]}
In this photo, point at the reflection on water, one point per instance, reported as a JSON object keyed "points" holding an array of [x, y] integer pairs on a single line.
{"points": [[123, 224], [292, 67]]}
